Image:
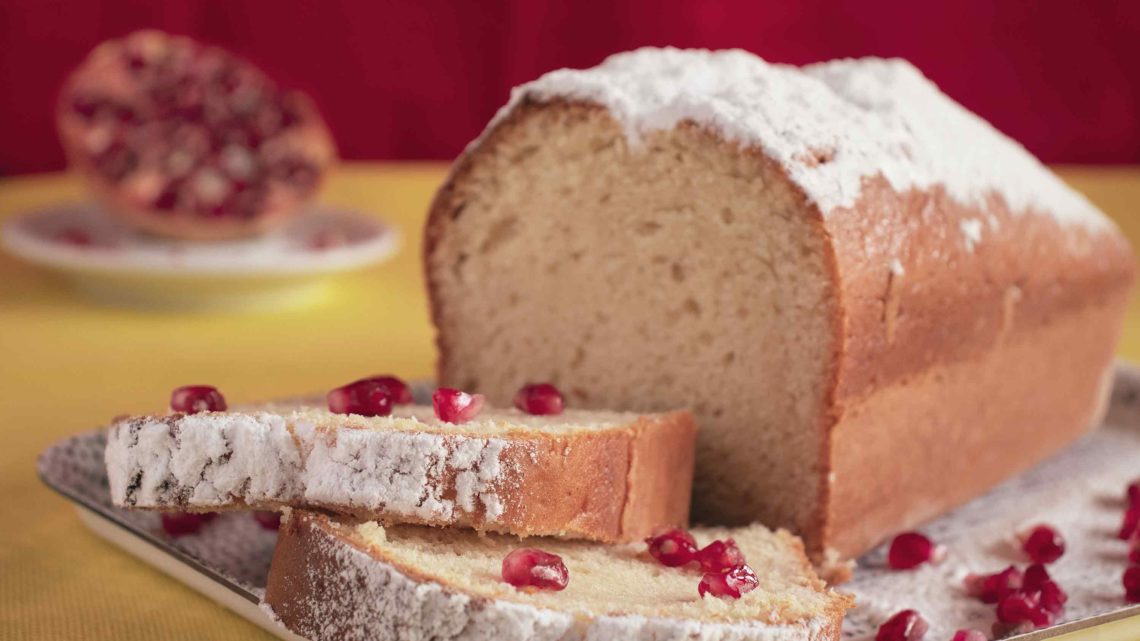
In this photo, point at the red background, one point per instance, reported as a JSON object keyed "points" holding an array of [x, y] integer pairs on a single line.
{"points": [[418, 79]]}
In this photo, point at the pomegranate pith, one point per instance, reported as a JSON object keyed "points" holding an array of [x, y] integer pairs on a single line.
{"points": [[530, 568], [672, 548], [178, 524], [191, 399], [732, 584], [455, 406], [1043, 544], [911, 549], [907, 625], [539, 399], [365, 398]]}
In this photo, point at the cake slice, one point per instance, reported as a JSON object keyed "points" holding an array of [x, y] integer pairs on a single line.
{"points": [[594, 475], [349, 581]]}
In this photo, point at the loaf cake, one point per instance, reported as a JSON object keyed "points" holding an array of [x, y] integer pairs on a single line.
{"points": [[876, 305], [345, 581], [594, 475]]}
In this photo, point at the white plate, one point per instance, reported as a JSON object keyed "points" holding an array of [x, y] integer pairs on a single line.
{"points": [[111, 262]]}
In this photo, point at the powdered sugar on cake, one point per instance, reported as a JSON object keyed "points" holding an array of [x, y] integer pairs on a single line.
{"points": [[831, 125], [218, 459]]}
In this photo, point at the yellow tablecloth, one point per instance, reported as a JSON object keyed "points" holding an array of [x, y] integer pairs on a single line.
{"points": [[67, 366]]}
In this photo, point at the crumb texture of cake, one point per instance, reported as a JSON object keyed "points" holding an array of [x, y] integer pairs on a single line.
{"points": [[859, 287], [596, 475], [339, 579]]}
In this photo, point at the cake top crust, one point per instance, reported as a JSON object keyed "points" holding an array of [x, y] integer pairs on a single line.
{"points": [[830, 124]]}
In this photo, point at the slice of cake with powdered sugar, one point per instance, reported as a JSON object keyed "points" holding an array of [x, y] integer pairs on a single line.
{"points": [[594, 475]]}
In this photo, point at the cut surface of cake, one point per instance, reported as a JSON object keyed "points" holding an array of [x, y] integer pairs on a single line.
{"points": [[860, 288], [591, 474], [341, 579]]}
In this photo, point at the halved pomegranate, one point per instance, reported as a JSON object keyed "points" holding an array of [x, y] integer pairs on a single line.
{"points": [[188, 140]]}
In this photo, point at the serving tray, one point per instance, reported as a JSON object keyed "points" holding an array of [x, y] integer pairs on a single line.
{"points": [[1079, 491]]}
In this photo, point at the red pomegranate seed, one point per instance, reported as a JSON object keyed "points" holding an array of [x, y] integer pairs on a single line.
{"points": [[907, 625], [1133, 493], [1131, 581], [719, 556], [531, 568], [969, 635], [1020, 607], [182, 523], [991, 588], [268, 520], [673, 548], [1134, 549], [191, 399], [911, 549], [1053, 598], [1043, 544], [1034, 577], [1131, 523], [539, 399], [455, 406], [728, 585], [364, 398], [400, 392]]}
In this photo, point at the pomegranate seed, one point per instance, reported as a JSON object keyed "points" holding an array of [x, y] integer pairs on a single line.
{"points": [[268, 520], [531, 568], [540, 399], [191, 399], [1131, 581], [1053, 598], [719, 556], [1034, 577], [969, 635], [907, 625], [1134, 549], [1130, 524], [399, 391], [673, 548], [728, 585], [1043, 544], [991, 588], [1133, 493], [911, 549], [182, 523], [1020, 607], [454, 406], [364, 398]]}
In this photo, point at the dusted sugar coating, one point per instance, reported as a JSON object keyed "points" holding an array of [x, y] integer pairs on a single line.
{"points": [[858, 287], [597, 475], [336, 579], [830, 125]]}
